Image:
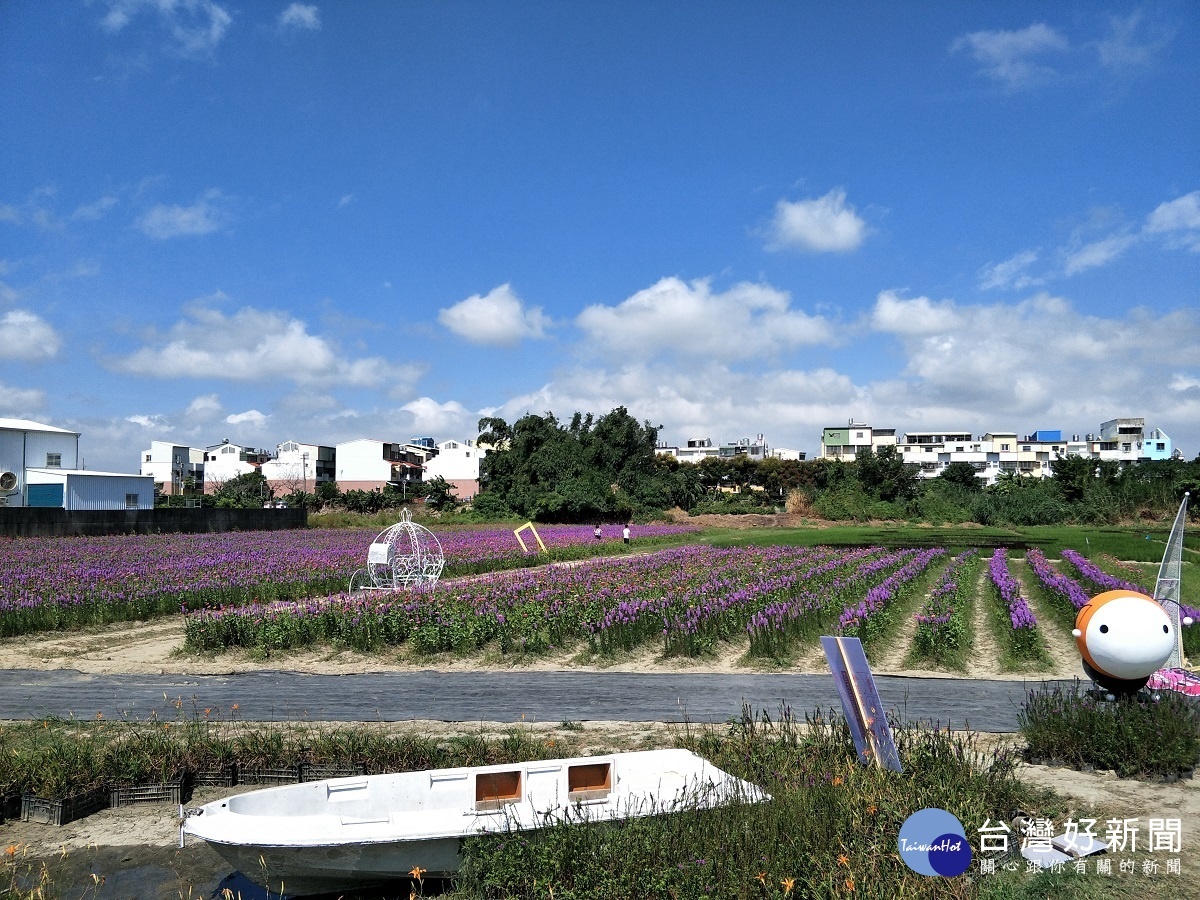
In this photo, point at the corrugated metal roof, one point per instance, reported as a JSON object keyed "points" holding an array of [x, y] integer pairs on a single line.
{"points": [[27, 425]]}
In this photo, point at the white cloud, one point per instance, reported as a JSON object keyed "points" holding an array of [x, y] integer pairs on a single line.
{"points": [[499, 318], [1098, 253], [304, 16], [90, 212], [196, 27], [1008, 56], [203, 217], [1009, 273], [1042, 358], [1180, 213], [205, 406], [251, 416], [920, 315], [10, 213], [690, 319], [823, 225], [346, 200], [1132, 44], [256, 345], [153, 422], [1181, 382], [1038, 363], [433, 418], [1178, 221], [26, 337], [21, 402]]}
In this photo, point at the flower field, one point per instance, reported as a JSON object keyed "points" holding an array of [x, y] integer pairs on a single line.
{"points": [[54, 583], [273, 591], [683, 601]]}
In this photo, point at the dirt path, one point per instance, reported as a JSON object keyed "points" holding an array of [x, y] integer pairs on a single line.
{"points": [[984, 656]]}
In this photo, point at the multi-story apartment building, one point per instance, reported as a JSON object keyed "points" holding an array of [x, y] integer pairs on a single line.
{"points": [[300, 467], [173, 466], [225, 461], [458, 463], [846, 442], [368, 464]]}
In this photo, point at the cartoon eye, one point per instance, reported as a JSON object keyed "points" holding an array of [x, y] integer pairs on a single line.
{"points": [[1166, 630], [1104, 629]]}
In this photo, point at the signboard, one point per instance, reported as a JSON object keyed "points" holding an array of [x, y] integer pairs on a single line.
{"points": [[860, 702]]}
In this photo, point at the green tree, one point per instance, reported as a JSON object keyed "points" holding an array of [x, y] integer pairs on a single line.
{"points": [[248, 491], [962, 473], [885, 475], [439, 494], [1073, 475], [589, 469]]}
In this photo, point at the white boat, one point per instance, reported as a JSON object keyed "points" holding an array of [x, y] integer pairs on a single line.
{"points": [[343, 833]]}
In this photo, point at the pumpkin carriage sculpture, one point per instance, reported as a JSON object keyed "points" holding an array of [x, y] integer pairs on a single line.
{"points": [[406, 555]]}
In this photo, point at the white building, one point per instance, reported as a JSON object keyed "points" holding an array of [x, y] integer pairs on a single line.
{"points": [[24, 445], [225, 461], [173, 466], [40, 466], [458, 463], [367, 464], [300, 467], [844, 442]]}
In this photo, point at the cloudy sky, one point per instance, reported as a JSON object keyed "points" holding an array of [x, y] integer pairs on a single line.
{"points": [[266, 221]]}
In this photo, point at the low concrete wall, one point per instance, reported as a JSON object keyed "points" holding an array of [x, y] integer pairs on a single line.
{"points": [[49, 522]]}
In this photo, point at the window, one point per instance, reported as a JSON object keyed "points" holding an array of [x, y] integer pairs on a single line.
{"points": [[493, 790], [1004, 446], [53, 460], [589, 781], [1160, 446], [1125, 448], [1026, 448], [131, 501], [147, 457]]}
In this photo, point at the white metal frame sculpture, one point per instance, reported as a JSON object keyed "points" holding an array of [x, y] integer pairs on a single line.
{"points": [[406, 555], [1167, 586]]}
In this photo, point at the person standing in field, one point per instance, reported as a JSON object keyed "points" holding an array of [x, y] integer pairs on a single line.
{"points": [[598, 535], [625, 533]]}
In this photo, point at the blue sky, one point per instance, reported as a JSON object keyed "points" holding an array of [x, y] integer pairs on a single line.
{"points": [[266, 221]]}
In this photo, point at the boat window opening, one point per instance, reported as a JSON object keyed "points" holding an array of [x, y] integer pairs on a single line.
{"points": [[591, 781], [495, 789]]}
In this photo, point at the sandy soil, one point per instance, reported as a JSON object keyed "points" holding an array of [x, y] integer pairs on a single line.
{"points": [[155, 648]]}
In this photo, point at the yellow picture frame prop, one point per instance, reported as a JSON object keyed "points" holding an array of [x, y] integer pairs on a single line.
{"points": [[521, 541]]}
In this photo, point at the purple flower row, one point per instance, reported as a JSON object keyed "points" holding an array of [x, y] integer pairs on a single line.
{"points": [[1020, 615], [855, 619], [1097, 576], [1054, 582], [943, 599]]}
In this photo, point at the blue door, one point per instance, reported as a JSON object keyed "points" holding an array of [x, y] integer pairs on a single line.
{"points": [[45, 495]]}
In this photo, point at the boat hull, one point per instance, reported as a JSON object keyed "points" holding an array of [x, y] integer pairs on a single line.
{"points": [[327, 869], [344, 833]]}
